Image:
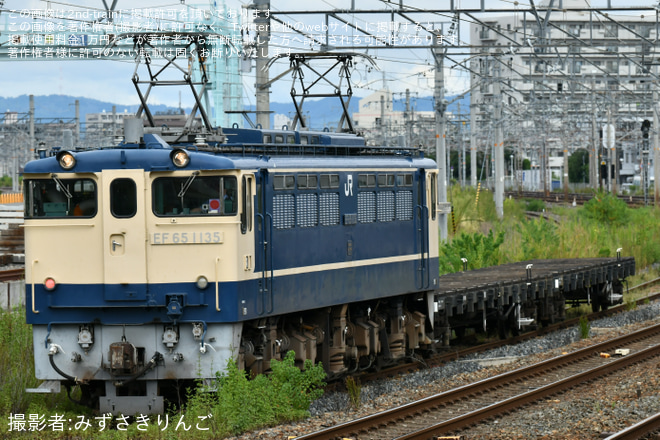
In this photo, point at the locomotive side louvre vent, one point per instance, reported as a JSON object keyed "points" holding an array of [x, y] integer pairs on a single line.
{"points": [[284, 214], [329, 207], [404, 205], [385, 206], [366, 207], [307, 210]]}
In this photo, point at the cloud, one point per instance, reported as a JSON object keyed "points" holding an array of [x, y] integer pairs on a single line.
{"points": [[400, 69]]}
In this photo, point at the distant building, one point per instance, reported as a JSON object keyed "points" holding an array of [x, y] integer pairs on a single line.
{"points": [[280, 120], [382, 125], [104, 124], [10, 117], [564, 78]]}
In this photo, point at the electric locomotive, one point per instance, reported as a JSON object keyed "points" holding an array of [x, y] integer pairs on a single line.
{"points": [[149, 265]]}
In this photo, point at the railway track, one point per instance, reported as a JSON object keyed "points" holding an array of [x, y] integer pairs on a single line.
{"points": [[578, 198], [454, 410], [12, 274]]}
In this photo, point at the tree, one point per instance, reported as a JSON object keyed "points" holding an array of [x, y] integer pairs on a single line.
{"points": [[578, 167]]}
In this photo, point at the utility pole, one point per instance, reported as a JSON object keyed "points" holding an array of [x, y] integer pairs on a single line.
{"points": [[408, 121], [593, 154], [76, 141], [440, 148], [610, 146], [656, 150], [28, 154], [461, 149], [498, 150], [565, 183], [381, 125], [262, 86], [473, 141]]}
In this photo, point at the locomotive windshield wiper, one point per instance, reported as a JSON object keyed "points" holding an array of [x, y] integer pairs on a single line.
{"points": [[65, 190], [186, 185]]}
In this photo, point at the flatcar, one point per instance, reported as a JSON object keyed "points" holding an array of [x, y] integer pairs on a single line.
{"points": [[149, 265]]}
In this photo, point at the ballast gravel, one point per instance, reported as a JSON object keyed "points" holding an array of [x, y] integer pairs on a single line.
{"points": [[605, 407]]}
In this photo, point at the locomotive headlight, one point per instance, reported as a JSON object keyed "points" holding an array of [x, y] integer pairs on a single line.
{"points": [[180, 158], [49, 284], [202, 282], [66, 160]]}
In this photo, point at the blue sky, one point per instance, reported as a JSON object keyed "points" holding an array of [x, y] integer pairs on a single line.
{"points": [[111, 80]]}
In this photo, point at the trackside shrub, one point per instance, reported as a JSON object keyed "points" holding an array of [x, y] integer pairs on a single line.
{"points": [[585, 327], [241, 405], [607, 209], [480, 251], [354, 390]]}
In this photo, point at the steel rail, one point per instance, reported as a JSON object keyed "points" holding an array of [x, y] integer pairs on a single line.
{"points": [[12, 274], [638, 430], [368, 423], [515, 402]]}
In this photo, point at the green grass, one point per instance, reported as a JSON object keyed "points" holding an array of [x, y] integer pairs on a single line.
{"points": [[238, 404], [597, 230]]}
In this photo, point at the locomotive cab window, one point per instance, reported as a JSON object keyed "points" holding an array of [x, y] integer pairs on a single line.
{"points": [[123, 198], [195, 195], [57, 197]]}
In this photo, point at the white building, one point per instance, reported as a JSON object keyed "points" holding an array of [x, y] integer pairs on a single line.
{"points": [[565, 78]]}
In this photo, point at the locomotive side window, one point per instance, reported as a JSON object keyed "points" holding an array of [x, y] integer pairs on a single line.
{"points": [[281, 182], [366, 180], [404, 179], [194, 195], [434, 195], [123, 198], [246, 212], [57, 197], [307, 181], [329, 181], [386, 180]]}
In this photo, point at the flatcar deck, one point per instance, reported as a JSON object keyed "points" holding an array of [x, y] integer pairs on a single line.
{"points": [[533, 279]]}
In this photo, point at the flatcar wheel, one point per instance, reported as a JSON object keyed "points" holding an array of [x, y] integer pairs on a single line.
{"points": [[501, 327], [460, 333], [595, 304], [513, 322]]}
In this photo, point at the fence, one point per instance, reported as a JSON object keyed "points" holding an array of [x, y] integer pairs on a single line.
{"points": [[11, 198], [12, 294]]}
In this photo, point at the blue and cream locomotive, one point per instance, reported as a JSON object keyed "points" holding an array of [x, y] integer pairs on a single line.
{"points": [[150, 264]]}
